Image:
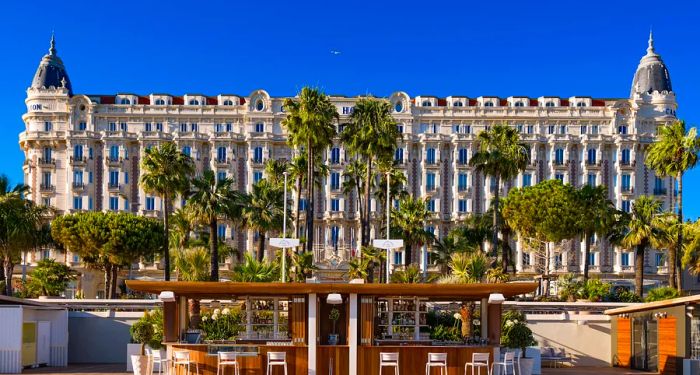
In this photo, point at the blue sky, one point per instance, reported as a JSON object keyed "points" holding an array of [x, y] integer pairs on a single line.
{"points": [[561, 48]]}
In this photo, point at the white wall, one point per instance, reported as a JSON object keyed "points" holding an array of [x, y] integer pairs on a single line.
{"points": [[10, 339]]}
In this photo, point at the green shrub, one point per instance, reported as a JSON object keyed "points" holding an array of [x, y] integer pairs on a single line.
{"points": [[50, 278], [142, 333], [662, 293], [224, 324]]}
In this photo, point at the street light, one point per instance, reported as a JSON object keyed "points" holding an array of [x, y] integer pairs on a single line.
{"points": [[284, 242]]}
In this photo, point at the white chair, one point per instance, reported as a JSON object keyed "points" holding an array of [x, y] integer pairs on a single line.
{"points": [[181, 358], [479, 361], [438, 360], [227, 359], [160, 358], [508, 360], [276, 359], [389, 360]]}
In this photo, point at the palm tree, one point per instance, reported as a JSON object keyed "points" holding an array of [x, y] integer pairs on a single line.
{"points": [[180, 227], [274, 171], [501, 156], [643, 231], [409, 275], [473, 232], [596, 213], [166, 172], [669, 225], [263, 211], [309, 124], [363, 267], [466, 268], [675, 152], [397, 181], [371, 135], [257, 272], [408, 222], [192, 264], [20, 220], [209, 201], [303, 266]]}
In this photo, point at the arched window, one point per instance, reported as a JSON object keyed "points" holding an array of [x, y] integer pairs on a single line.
{"points": [[559, 156], [488, 104], [580, 104], [160, 102], [426, 103], [398, 107], [221, 154], [458, 104], [259, 105], [519, 104], [549, 104], [462, 156], [430, 156], [228, 102], [194, 102]]}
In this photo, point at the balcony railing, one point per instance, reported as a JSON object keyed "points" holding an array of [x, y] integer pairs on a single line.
{"points": [[113, 186], [660, 191], [78, 185], [628, 189], [78, 160], [47, 188], [46, 162]]}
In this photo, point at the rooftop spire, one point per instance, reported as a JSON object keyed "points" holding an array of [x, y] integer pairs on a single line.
{"points": [[650, 48], [52, 49]]}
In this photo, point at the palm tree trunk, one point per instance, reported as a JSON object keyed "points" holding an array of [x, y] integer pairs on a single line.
{"points": [[115, 277], [678, 270], [108, 279], [409, 253], [214, 249], [261, 247], [2, 278], [639, 271], [586, 254], [494, 235], [506, 251], [365, 220], [296, 208], [166, 245], [672, 267], [194, 310], [8, 267], [309, 198]]}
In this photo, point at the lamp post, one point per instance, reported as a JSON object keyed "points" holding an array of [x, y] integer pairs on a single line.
{"points": [[388, 217], [284, 242]]}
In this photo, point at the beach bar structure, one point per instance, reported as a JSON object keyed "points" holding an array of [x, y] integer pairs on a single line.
{"points": [[661, 336], [371, 319]]}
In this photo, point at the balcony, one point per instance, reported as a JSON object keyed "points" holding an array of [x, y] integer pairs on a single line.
{"points": [[113, 186], [78, 186], [114, 162], [334, 215], [662, 269], [223, 162], [626, 268], [660, 191], [47, 163], [628, 164], [47, 188], [78, 160], [152, 213], [627, 190]]}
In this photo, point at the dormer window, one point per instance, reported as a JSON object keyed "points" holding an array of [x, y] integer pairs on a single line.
{"points": [[259, 105], [458, 104], [125, 101], [194, 102], [519, 104], [549, 104], [228, 102], [427, 103], [398, 107], [160, 102], [488, 104], [580, 104]]}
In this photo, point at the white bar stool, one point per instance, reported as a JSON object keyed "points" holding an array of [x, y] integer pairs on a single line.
{"points": [[389, 360], [159, 357], [479, 361], [508, 360], [438, 360], [227, 359], [276, 359], [182, 359]]}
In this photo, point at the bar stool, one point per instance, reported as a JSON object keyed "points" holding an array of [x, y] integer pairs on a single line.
{"points": [[227, 359], [182, 359], [276, 359], [438, 360], [479, 361], [389, 360], [508, 360], [159, 357]]}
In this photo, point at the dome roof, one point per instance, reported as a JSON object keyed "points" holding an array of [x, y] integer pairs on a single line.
{"points": [[51, 71], [651, 74]]}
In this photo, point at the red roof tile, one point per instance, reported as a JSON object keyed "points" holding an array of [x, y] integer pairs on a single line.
{"points": [[106, 99], [144, 100]]}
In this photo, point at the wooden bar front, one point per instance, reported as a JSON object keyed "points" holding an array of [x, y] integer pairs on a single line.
{"points": [[296, 360], [412, 359]]}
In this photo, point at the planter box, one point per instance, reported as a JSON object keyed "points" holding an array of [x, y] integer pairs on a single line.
{"points": [[131, 349]]}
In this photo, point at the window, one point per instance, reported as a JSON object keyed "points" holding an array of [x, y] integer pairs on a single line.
{"points": [[626, 186], [550, 129], [594, 129], [622, 129], [559, 156], [591, 180], [150, 203], [335, 205], [187, 150], [492, 184], [430, 181], [458, 104], [194, 102], [48, 126], [462, 156], [218, 128], [122, 126], [659, 188], [159, 126], [591, 259], [302, 204], [625, 157], [592, 156], [113, 178], [562, 129], [160, 102], [46, 179], [398, 155], [82, 126], [114, 153], [125, 101], [78, 177], [335, 181], [462, 183], [527, 179], [221, 231], [77, 203], [113, 203], [147, 127], [430, 205], [194, 127], [259, 105], [584, 129], [221, 154], [258, 155], [625, 259], [529, 129], [430, 156], [549, 104], [559, 176], [462, 205], [426, 103], [112, 126], [399, 128], [228, 102], [398, 257], [335, 155], [488, 104], [257, 176], [229, 127], [398, 107], [259, 127], [126, 177], [626, 205], [519, 128], [519, 104], [220, 176], [78, 152], [126, 204], [183, 127], [580, 104], [659, 259]]}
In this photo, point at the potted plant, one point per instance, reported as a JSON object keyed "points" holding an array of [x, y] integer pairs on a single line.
{"points": [[142, 332], [333, 316], [517, 335]]}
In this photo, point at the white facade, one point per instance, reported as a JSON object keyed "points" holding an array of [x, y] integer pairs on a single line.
{"points": [[82, 152]]}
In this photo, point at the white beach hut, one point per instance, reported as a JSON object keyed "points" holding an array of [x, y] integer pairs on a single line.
{"points": [[32, 334]]}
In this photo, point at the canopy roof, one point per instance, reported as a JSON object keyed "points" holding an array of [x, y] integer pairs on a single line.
{"points": [[689, 300], [220, 289]]}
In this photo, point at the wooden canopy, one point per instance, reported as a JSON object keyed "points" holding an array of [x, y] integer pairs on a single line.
{"points": [[220, 289], [689, 300]]}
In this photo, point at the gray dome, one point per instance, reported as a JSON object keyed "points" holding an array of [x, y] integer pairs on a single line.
{"points": [[651, 74], [51, 71]]}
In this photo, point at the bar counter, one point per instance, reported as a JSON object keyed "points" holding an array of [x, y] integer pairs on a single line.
{"points": [[412, 358], [249, 365]]}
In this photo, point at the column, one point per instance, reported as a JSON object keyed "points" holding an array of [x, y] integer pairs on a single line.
{"points": [[312, 334], [484, 317], [518, 256], [494, 328], [352, 335]]}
